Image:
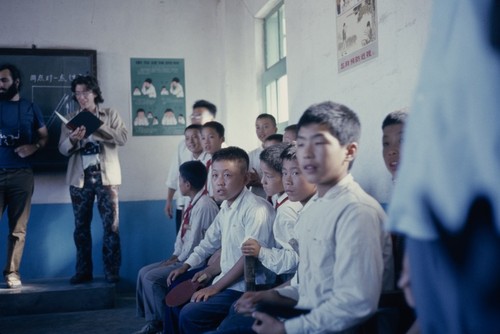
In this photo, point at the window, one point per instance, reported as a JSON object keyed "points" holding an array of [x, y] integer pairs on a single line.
{"points": [[274, 79]]}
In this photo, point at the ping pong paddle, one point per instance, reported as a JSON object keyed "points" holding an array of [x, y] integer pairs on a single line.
{"points": [[183, 292]]}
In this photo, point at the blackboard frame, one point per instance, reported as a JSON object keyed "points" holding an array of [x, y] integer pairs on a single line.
{"points": [[46, 76]]}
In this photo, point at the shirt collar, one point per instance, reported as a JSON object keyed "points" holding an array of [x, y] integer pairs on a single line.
{"points": [[278, 199], [336, 189], [237, 201]]}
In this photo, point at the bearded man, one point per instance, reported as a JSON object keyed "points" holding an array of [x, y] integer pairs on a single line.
{"points": [[22, 133]]}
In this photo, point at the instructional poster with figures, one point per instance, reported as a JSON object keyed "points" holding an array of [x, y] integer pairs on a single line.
{"points": [[357, 32], [158, 96]]}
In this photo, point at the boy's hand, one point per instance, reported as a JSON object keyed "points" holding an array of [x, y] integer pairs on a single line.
{"points": [[168, 209], [208, 276], [265, 324], [171, 260], [248, 301], [250, 247], [176, 273], [203, 294]]}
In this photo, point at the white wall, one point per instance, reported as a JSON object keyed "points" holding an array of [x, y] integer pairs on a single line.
{"points": [[119, 30], [221, 42], [372, 89]]}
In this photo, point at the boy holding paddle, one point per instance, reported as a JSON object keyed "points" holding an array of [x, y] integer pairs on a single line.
{"points": [[151, 280], [242, 215]]}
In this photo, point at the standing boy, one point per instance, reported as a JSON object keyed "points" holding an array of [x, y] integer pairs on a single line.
{"points": [[343, 247], [152, 279], [265, 125], [212, 138], [192, 144], [203, 111], [242, 215]]}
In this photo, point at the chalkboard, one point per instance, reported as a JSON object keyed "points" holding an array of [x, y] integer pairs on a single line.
{"points": [[46, 76]]}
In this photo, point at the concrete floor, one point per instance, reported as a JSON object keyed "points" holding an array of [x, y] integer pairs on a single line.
{"points": [[118, 320]]}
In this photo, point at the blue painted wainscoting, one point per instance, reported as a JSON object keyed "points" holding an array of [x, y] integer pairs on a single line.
{"points": [[147, 236]]}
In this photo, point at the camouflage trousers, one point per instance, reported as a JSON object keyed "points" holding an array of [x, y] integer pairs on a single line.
{"points": [[107, 204]]}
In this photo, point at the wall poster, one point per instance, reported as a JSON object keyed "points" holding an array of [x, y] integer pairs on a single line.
{"points": [[158, 96], [357, 33]]}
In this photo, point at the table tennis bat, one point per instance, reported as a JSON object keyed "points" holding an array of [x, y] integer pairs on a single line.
{"points": [[183, 292]]}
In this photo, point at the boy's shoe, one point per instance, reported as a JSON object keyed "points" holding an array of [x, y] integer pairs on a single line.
{"points": [[13, 282], [81, 278], [152, 327]]}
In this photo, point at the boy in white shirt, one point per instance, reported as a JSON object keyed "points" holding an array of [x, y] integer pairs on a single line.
{"points": [[151, 280], [212, 139], [298, 190], [193, 146], [265, 125], [344, 251], [242, 215], [203, 111], [281, 258]]}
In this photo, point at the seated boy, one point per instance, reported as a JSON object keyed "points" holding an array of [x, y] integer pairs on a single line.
{"points": [[281, 259], [242, 215], [212, 139], [343, 247], [392, 137], [299, 190], [392, 129], [290, 134], [151, 280], [273, 139], [265, 125]]}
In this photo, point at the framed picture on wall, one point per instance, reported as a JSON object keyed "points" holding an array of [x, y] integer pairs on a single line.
{"points": [[357, 33], [46, 76]]}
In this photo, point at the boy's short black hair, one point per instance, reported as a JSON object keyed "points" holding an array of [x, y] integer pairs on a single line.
{"points": [[395, 117], [292, 127], [289, 153], [207, 105], [272, 156], [219, 128], [232, 153], [193, 126], [268, 116], [276, 137], [342, 122], [194, 172], [91, 83]]}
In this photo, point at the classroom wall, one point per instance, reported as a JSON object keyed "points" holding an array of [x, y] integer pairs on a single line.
{"points": [[372, 89], [201, 32], [221, 42]]}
